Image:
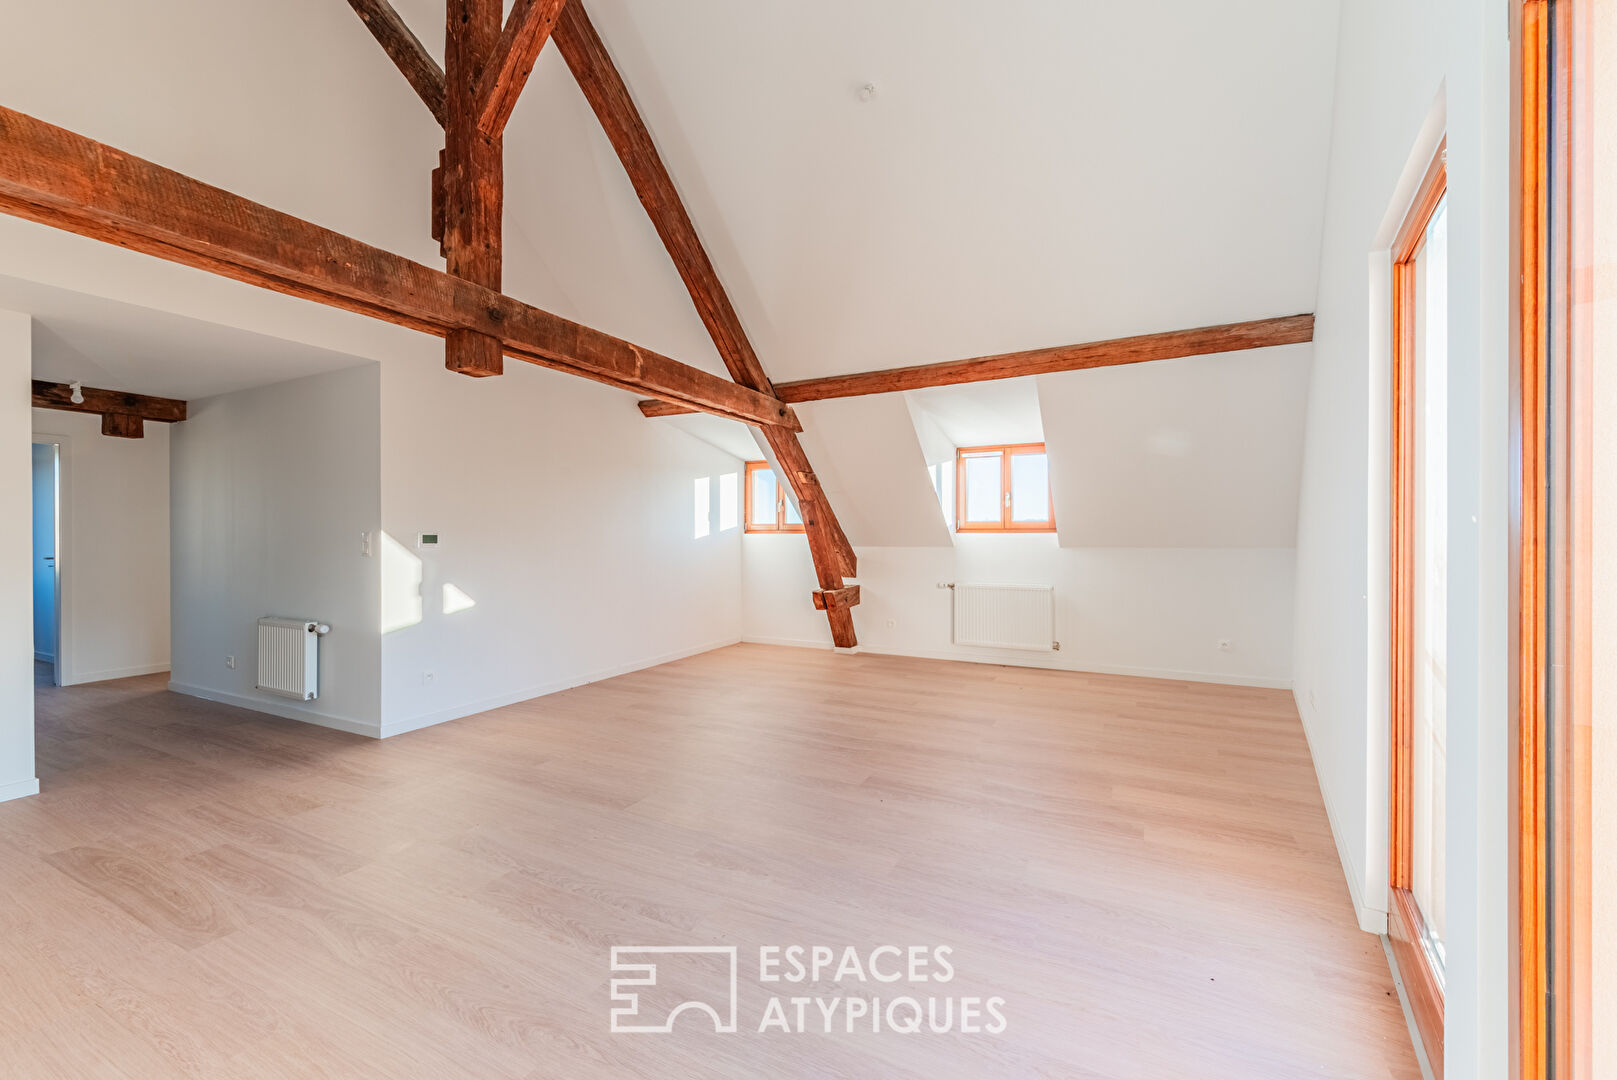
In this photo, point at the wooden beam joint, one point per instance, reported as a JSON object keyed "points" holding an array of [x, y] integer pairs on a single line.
{"points": [[123, 426], [845, 597], [55, 177], [526, 30]]}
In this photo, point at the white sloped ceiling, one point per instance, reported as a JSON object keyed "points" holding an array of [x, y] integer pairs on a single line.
{"points": [[1205, 451], [869, 460]]}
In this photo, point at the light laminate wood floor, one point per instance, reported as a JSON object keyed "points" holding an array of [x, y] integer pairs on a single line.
{"points": [[1142, 870]]}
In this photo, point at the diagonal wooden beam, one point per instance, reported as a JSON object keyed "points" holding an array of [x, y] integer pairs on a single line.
{"points": [[53, 176], [1204, 341], [603, 86], [527, 29], [406, 51]]}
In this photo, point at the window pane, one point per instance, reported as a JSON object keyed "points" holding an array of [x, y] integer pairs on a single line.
{"points": [[728, 502], [703, 507], [983, 496], [762, 512], [1429, 754], [1030, 487], [792, 516]]}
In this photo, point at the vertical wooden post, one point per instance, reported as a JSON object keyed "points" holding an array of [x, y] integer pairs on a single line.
{"points": [[471, 182]]}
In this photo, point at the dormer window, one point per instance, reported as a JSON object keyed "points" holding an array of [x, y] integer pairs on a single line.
{"points": [[1003, 489]]}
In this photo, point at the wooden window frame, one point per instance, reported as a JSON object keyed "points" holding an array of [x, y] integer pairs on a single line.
{"points": [[1406, 927], [1552, 540], [1006, 451], [781, 525]]}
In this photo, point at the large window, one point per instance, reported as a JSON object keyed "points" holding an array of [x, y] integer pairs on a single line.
{"points": [[1003, 489], [768, 508], [1419, 603]]}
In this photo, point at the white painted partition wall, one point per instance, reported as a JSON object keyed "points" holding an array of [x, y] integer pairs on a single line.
{"points": [[272, 490], [1407, 71], [567, 550], [16, 558]]}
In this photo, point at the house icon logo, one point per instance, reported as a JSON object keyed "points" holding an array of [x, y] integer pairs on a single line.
{"points": [[674, 979]]}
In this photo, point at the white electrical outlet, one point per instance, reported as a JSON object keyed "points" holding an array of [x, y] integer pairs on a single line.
{"points": [[230, 662], [891, 623], [365, 544], [1224, 644], [428, 676]]}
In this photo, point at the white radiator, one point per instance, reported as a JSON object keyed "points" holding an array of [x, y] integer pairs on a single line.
{"points": [[289, 657], [1005, 616]]}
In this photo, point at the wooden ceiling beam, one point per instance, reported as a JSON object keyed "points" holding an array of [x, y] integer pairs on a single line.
{"points": [[470, 182], [1204, 341], [122, 414], [406, 51], [527, 29], [603, 86], [55, 177]]}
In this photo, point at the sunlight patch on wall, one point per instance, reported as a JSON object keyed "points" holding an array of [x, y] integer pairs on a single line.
{"points": [[455, 600], [401, 586]]}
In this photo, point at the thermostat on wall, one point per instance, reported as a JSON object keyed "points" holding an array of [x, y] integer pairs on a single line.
{"points": [[426, 540]]}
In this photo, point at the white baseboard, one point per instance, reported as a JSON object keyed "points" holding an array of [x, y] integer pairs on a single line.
{"points": [[19, 789], [49, 658], [802, 643], [285, 710], [443, 716], [117, 673], [1050, 662], [1372, 919]]}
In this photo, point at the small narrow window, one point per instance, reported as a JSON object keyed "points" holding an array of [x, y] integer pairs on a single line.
{"points": [[1003, 489], [768, 508]]}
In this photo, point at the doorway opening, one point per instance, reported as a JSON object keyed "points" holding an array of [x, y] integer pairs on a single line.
{"points": [[47, 566]]}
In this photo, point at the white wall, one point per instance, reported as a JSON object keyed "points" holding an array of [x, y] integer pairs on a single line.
{"points": [[565, 516], [1158, 612], [272, 489], [1406, 71], [114, 547], [16, 552], [44, 565]]}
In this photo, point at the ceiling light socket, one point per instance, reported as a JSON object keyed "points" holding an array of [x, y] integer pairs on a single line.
{"points": [[78, 392]]}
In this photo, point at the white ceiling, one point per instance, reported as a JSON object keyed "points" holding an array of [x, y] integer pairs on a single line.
{"points": [[997, 413], [1204, 451], [120, 346], [868, 457], [731, 436], [1028, 173]]}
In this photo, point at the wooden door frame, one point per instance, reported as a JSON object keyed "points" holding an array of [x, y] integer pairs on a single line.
{"points": [[1405, 925]]}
